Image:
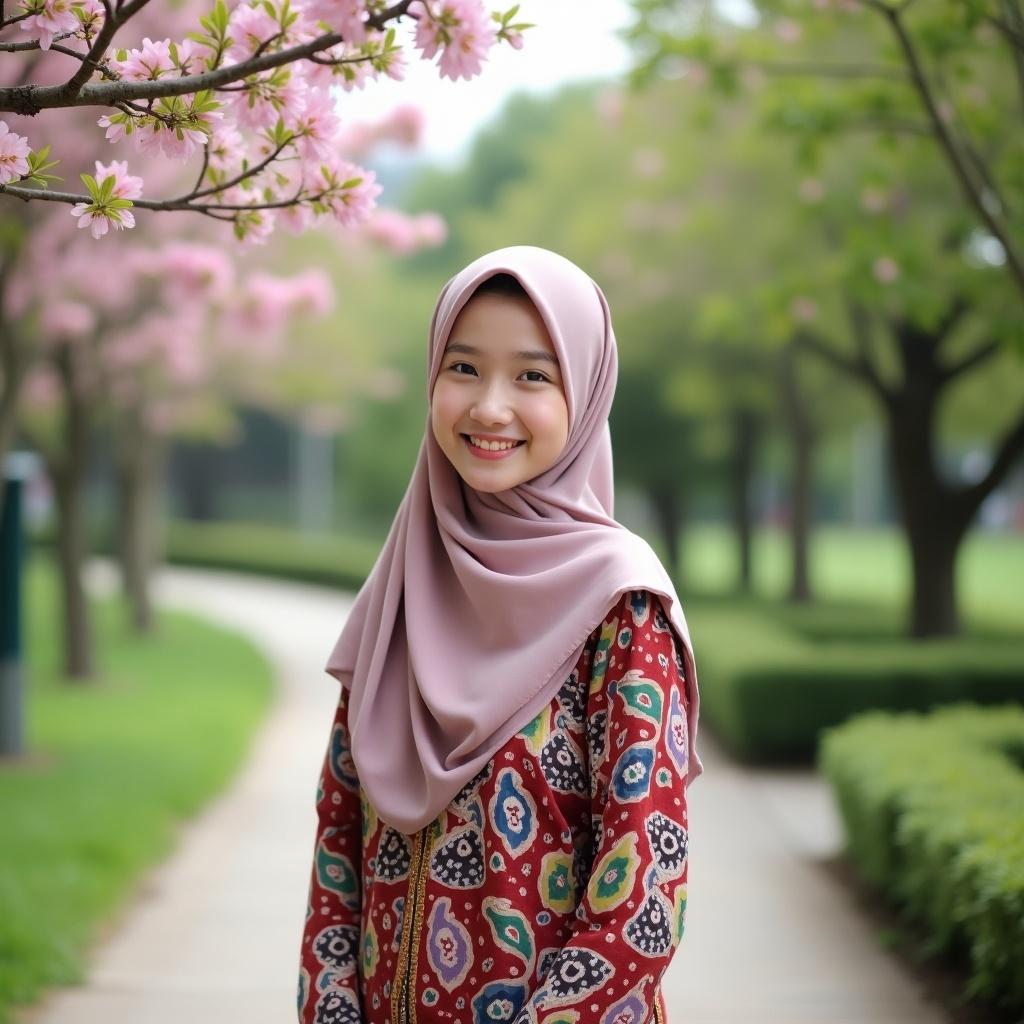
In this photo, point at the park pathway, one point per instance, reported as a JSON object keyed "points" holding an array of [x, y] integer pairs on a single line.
{"points": [[213, 934]]}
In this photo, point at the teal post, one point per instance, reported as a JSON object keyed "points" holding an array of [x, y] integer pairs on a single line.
{"points": [[16, 468]]}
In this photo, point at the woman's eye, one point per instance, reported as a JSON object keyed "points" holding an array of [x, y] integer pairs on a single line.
{"points": [[539, 374], [454, 365]]}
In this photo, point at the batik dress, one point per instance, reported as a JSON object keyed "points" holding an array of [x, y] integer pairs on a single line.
{"points": [[551, 890]]}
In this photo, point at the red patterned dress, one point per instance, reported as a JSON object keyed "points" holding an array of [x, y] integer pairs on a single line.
{"points": [[551, 890]]}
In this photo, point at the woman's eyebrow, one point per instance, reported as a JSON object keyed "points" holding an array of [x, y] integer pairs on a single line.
{"points": [[538, 354]]}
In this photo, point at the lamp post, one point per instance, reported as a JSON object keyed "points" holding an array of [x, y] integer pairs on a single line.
{"points": [[17, 468]]}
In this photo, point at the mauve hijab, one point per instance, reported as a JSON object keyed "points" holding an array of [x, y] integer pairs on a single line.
{"points": [[479, 604]]}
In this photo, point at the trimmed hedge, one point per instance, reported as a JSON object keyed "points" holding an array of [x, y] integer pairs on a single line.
{"points": [[343, 562], [773, 678], [933, 807]]}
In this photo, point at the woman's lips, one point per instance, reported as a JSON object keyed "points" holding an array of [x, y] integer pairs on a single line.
{"points": [[482, 453]]}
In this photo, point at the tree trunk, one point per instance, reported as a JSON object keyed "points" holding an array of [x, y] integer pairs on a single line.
{"points": [[802, 437], [139, 472], [935, 515], [69, 472], [934, 519], [744, 452], [669, 511]]}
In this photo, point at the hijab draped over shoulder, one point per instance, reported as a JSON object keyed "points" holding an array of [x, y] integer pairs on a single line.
{"points": [[479, 604]]}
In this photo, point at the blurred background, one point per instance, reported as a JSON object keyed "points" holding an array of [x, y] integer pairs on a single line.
{"points": [[808, 219]]}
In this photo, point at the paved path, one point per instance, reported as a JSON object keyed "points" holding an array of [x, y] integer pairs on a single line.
{"points": [[213, 936]]}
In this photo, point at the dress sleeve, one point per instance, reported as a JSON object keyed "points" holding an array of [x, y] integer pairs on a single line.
{"points": [[328, 987], [630, 918]]}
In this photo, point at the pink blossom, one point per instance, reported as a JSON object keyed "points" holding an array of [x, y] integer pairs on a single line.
{"points": [[249, 28], [147, 63], [431, 229], [116, 129], [350, 205], [126, 186], [98, 219], [190, 57], [296, 219], [190, 272], [311, 292], [788, 30], [346, 17], [177, 141], [14, 151], [461, 29], [404, 124], [404, 234], [885, 269], [393, 229], [64, 318], [317, 126], [257, 226], [56, 17], [225, 147], [262, 102]]}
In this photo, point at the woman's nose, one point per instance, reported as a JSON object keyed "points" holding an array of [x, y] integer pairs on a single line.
{"points": [[492, 405]]}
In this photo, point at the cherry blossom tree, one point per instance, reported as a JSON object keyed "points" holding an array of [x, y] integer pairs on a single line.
{"points": [[246, 92]]}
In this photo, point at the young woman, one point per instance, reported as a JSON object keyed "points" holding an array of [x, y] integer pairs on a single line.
{"points": [[503, 827]]}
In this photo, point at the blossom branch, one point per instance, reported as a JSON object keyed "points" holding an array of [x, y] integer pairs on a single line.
{"points": [[30, 100], [238, 179], [183, 203]]}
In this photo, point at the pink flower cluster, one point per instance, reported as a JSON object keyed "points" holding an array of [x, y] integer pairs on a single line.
{"points": [[287, 112], [49, 18], [98, 216], [460, 29], [14, 151]]}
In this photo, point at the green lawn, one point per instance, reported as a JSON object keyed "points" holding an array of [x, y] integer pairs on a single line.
{"points": [[115, 766], [863, 565]]}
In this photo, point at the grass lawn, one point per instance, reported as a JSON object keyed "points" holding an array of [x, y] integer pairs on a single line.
{"points": [[115, 765], [867, 566]]}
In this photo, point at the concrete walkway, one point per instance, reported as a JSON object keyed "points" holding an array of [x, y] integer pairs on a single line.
{"points": [[213, 936]]}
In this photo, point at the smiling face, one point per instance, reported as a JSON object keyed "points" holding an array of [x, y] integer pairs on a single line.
{"points": [[499, 379]]}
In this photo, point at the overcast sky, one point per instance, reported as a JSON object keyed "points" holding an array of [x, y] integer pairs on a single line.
{"points": [[571, 40]]}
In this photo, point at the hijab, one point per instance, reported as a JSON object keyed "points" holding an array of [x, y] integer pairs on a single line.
{"points": [[480, 604]]}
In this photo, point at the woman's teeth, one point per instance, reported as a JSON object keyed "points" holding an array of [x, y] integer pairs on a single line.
{"points": [[493, 446]]}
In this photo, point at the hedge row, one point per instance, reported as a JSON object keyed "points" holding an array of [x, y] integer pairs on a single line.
{"points": [[773, 680], [933, 807], [341, 562]]}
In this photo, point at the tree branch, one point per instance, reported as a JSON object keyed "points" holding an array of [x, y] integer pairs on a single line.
{"points": [[31, 194], [1013, 32], [856, 368], [948, 144], [1008, 451], [31, 99], [979, 355], [105, 36], [33, 44], [237, 179]]}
